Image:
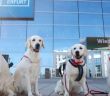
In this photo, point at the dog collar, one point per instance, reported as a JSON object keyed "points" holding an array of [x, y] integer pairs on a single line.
{"points": [[80, 68], [75, 64], [28, 58]]}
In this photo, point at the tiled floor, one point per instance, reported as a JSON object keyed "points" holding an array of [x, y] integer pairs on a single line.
{"points": [[46, 87]]}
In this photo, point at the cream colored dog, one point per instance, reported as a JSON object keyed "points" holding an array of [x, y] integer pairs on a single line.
{"points": [[108, 79], [6, 80], [75, 72], [27, 72]]}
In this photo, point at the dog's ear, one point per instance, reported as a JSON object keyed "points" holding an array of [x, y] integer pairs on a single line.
{"points": [[85, 51], [43, 43], [28, 43]]}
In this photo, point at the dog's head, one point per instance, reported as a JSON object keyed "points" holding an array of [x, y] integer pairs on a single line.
{"points": [[78, 51], [35, 43]]}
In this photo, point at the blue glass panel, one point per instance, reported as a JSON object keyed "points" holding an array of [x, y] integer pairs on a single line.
{"points": [[105, 0], [47, 59], [42, 18], [66, 6], [66, 18], [91, 31], [106, 7], [61, 44], [90, 19], [12, 46], [42, 30], [90, 7], [107, 19], [13, 39], [44, 5], [66, 32], [13, 32]]}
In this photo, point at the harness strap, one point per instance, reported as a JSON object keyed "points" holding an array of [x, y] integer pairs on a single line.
{"points": [[27, 58], [80, 69]]}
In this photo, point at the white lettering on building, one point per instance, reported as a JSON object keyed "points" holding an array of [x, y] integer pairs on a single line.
{"points": [[11, 3], [103, 41], [16, 2]]}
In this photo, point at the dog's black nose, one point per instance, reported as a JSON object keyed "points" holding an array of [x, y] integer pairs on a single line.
{"points": [[77, 53], [37, 46]]}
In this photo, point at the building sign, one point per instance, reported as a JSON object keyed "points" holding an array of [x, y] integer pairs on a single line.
{"points": [[98, 42], [17, 9], [14, 3]]}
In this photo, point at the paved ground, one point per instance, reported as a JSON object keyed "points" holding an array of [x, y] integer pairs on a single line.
{"points": [[47, 86]]}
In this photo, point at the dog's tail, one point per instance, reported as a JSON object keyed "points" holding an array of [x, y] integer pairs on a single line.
{"points": [[62, 69]]}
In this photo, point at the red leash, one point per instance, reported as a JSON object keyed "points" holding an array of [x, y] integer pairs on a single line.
{"points": [[94, 91]]}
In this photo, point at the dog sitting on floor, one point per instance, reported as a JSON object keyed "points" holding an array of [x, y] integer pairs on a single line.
{"points": [[6, 79], [75, 72], [27, 71]]}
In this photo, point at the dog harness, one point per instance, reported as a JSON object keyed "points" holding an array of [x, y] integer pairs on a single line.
{"points": [[80, 68], [27, 58]]}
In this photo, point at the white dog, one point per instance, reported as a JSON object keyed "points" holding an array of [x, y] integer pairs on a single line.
{"points": [[75, 72], [6, 80], [27, 72], [108, 79]]}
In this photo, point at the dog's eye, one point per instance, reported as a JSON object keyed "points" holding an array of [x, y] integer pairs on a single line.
{"points": [[74, 48], [80, 48], [33, 39], [40, 40]]}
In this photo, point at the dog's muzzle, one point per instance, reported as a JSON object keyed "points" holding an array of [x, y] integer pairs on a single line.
{"points": [[77, 55], [37, 48]]}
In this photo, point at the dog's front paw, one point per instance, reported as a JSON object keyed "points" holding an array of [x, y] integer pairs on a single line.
{"points": [[59, 93], [66, 94]]}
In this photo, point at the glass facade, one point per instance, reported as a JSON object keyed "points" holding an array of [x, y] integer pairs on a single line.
{"points": [[61, 23]]}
